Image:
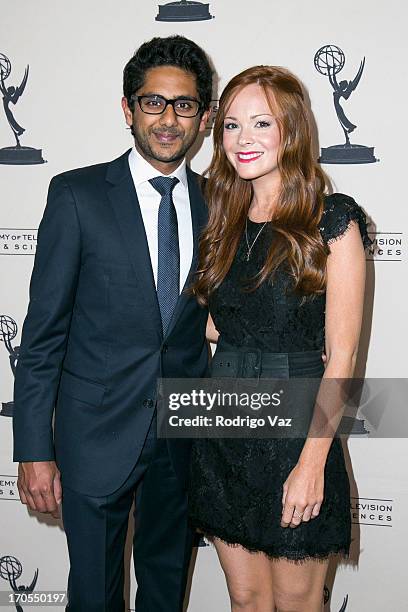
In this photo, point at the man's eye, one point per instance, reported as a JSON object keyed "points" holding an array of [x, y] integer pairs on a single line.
{"points": [[153, 102], [230, 126], [184, 104]]}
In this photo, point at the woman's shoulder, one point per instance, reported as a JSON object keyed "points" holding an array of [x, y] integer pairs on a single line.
{"points": [[339, 213]]}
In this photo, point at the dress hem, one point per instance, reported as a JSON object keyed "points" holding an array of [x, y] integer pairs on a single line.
{"points": [[295, 557]]}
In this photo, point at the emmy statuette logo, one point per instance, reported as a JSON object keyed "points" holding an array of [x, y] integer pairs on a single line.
{"points": [[365, 408], [351, 424], [329, 61], [213, 113], [17, 154], [8, 331], [11, 570], [184, 10], [326, 597]]}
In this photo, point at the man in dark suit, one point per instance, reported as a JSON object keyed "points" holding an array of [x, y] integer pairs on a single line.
{"points": [[107, 317]]}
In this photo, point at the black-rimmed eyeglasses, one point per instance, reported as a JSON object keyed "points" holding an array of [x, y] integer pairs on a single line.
{"points": [[156, 105]]}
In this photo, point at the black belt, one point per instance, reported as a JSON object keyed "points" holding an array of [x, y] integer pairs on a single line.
{"points": [[252, 362]]}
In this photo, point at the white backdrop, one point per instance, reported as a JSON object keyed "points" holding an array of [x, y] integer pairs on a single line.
{"points": [[71, 110]]}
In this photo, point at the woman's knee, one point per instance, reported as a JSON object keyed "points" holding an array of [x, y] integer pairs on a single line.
{"points": [[297, 599], [248, 598]]}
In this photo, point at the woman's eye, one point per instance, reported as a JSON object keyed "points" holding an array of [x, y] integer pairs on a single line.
{"points": [[230, 126], [263, 124]]}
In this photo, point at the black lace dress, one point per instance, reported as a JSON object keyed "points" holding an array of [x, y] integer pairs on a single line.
{"points": [[235, 490]]}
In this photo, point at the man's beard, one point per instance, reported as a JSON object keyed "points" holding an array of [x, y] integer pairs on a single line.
{"points": [[142, 142]]}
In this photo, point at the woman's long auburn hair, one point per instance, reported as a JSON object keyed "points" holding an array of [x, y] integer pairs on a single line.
{"points": [[299, 207]]}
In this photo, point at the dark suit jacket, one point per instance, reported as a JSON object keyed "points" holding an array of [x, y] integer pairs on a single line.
{"points": [[92, 345]]}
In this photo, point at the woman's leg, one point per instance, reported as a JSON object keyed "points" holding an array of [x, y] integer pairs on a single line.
{"points": [[249, 578], [298, 587]]}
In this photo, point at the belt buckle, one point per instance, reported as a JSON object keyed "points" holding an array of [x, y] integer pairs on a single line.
{"points": [[251, 366]]}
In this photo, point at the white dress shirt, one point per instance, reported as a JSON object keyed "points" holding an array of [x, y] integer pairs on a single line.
{"points": [[149, 201]]}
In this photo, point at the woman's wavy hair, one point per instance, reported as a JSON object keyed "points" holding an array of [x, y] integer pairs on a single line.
{"points": [[297, 242]]}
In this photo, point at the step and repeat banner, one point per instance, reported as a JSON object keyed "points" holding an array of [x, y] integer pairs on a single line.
{"points": [[61, 77]]}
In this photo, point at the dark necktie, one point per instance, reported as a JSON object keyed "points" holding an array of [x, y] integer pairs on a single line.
{"points": [[168, 271]]}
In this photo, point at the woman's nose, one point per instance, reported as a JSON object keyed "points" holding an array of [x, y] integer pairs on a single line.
{"points": [[245, 138]]}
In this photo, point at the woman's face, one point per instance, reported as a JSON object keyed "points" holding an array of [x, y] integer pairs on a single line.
{"points": [[251, 135]]}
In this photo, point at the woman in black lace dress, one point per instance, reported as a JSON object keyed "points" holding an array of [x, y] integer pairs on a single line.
{"points": [[282, 268]]}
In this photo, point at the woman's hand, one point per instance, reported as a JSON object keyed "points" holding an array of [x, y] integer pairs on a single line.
{"points": [[302, 495]]}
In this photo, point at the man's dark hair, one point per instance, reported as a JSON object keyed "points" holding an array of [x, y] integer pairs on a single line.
{"points": [[171, 51]]}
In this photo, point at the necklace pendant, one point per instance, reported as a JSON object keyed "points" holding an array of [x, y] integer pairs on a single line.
{"points": [[251, 246]]}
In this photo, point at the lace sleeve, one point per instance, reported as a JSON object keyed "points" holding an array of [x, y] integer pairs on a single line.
{"points": [[339, 212]]}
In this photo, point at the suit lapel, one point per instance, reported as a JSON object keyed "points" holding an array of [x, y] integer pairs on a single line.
{"points": [[198, 219], [123, 198]]}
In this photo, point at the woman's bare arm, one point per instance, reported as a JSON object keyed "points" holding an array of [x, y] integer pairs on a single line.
{"points": [[346, 269], [211, 333], [304, 488]]}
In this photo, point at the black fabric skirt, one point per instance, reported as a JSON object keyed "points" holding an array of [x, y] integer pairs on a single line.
{"points": [[236, 485]]}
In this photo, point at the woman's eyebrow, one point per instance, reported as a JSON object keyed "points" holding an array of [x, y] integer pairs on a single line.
{"points": [[252, 116]]}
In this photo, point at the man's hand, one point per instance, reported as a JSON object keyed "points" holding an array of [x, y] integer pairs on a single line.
{"points": [[39, 485]]}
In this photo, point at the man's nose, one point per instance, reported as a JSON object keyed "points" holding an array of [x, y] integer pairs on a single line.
{"points": [[168, 116]]}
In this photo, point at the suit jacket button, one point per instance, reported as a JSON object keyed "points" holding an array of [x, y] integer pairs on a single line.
{"points": [[165, 348], [148, 403]]}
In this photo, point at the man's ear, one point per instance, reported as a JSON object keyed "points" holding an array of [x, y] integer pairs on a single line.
{"points": [[127, 112], [204, 120]]}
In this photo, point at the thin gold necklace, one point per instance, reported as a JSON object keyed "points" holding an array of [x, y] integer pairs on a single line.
{"points": [[250, 247]]}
